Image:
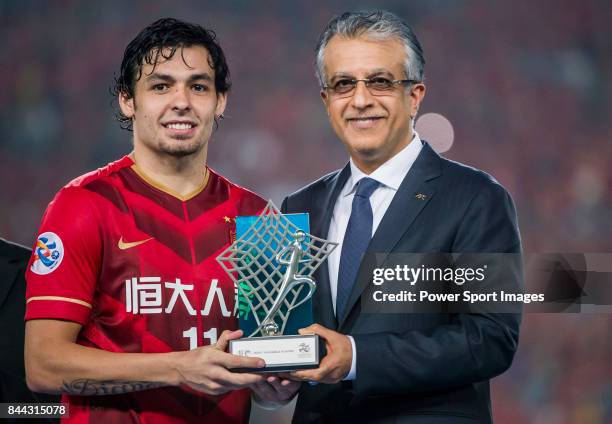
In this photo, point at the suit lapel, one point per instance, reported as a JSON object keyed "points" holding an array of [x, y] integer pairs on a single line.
{"points": [[323, 308], [413, 194]]}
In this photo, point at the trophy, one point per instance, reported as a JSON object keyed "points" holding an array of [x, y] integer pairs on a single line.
{"points": [[271, 264]]}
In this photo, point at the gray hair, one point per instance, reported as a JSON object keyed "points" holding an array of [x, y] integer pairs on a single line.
{"points": [[378, 25]]}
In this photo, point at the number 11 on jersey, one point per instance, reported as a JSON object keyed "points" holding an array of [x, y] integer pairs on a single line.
{"points": [[192, 334]]}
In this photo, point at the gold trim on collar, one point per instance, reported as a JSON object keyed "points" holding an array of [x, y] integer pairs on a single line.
{"points": [[65, 299], [169, 191]]}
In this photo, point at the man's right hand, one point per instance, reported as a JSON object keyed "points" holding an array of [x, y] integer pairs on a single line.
{"points": [[208, 369], [93, 372]]}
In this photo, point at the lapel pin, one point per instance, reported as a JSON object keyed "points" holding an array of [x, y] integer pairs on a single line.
{"points": [[420, 196]]}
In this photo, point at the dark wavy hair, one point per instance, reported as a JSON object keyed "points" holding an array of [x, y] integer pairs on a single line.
{"points": [[163, 38]]}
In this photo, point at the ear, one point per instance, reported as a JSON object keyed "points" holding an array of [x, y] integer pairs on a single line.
{"points": [[221, 104], [126, 104], [417, 94], [325, 99]]}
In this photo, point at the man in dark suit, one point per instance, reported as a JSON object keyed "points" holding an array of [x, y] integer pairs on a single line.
{"points": [[13, 261], [396, 195]]}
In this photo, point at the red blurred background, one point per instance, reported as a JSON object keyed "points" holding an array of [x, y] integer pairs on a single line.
{"points": [[525, 85]]}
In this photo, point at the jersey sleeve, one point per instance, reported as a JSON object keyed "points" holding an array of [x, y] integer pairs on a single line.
{"points": [[64, 267]]}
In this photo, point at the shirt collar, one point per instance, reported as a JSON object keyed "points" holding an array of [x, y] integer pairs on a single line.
{"points": [[392, 172]]}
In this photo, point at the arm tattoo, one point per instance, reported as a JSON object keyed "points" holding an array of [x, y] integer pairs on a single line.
{"points": [[85, 387]]}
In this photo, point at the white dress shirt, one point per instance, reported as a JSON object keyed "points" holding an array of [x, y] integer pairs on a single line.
{"points": [[390, 175]]}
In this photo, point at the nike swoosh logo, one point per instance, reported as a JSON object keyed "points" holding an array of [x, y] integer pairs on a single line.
{"points": [[128, 245]]}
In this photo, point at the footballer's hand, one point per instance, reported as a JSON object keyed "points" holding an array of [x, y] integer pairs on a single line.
{"points": [[336, 365], [208, 369], [274, 391]]}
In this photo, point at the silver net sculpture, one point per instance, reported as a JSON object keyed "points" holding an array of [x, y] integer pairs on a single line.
{"points": [[254, 264]]}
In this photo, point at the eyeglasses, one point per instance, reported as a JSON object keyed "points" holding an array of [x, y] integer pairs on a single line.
{"points": [[377, 86]]}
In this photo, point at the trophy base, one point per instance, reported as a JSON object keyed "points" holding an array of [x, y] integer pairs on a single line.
{"points": [[281, 353]]}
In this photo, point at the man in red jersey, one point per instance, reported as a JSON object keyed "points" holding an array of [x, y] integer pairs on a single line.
{"points": [[128, 313]]}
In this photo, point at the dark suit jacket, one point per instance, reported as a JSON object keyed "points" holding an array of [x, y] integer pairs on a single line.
{"points": [[13, 261], [417, 368]]}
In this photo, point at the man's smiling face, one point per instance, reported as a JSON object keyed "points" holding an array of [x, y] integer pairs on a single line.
{"points": [[373, 128], [175, 103]]}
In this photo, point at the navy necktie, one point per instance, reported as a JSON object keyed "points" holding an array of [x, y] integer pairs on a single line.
{"points": [[356, 240]]}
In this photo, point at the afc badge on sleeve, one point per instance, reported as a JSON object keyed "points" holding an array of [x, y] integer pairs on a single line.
{"points": [[48, 253]]}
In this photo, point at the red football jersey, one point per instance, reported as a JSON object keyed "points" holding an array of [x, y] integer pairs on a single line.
{"points": [[135, 265]]}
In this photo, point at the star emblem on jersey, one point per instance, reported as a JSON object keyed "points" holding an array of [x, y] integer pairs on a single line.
{"points": [[123, 245], [227, 219]]}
